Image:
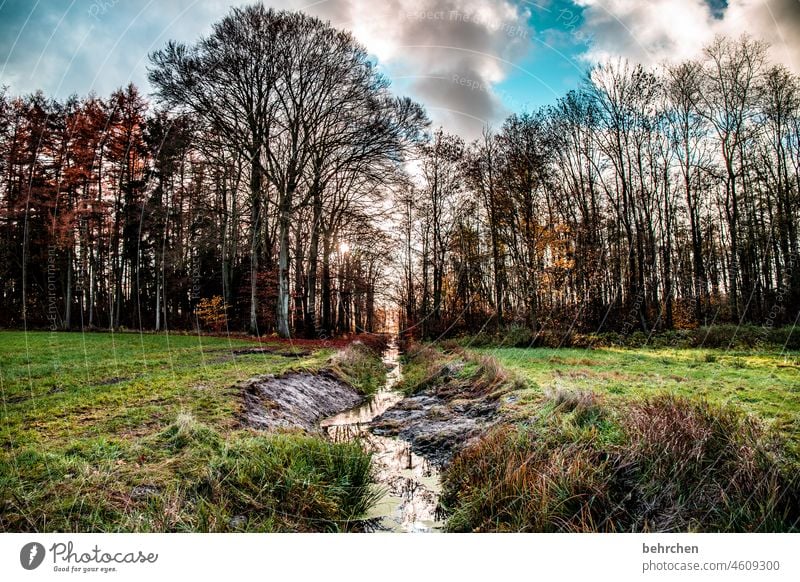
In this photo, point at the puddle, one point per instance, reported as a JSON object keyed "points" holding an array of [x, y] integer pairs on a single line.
{"points": [[410, 482]]}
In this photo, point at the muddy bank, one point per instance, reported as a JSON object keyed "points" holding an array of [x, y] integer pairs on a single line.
{"points": [[295, 400], [440, 420]]}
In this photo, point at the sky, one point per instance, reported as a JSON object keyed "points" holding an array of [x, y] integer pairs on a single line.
{"points": [[470, 62]]}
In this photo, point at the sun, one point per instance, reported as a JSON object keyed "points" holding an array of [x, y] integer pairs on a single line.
{"points": [[344, 248]]}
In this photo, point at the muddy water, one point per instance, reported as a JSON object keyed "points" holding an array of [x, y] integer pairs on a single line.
{"points": [[410, 483]]}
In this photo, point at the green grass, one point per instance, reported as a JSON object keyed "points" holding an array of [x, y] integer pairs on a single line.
{"points": [[765, 383], [129, 432], [361, 367]]}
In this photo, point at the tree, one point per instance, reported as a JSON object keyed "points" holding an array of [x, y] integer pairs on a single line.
{"points": [[732, 71], [228, 79]]}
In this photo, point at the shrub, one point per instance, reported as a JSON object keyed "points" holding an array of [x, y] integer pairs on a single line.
{"points": [[724, 336], [212, 313], [517, 336], [716, 336]]}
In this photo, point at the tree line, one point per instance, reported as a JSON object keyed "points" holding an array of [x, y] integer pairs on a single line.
{"points": [[258, 178], [647, 199], [275, 184]]}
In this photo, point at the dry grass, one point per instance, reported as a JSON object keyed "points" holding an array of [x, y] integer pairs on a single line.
{"points": [[454, 372], [663, 464], [360, 366]]}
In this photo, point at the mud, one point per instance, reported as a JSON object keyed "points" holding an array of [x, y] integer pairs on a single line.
{"points": [[296, 400], [411, 438], [438, 422]]}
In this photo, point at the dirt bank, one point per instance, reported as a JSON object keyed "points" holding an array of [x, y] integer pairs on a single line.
{"points": [[295, 400]]}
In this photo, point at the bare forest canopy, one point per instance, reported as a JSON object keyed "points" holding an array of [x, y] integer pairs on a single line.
{"points": [[275, 184]]}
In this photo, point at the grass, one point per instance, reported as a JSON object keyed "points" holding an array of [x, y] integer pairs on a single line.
{"points": [[665, 464], [765, 383], [360, 366], [130, 432], [623, 439]]}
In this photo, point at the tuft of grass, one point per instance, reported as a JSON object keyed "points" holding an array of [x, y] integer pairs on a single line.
{"points": [[456, 372], [189, 477], [361, 367], [297, 482], [659, 464]]}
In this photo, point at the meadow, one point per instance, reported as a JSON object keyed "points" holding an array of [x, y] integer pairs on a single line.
{"points": [[765, 383], [621, 439], [140, 432], [144, 432]]}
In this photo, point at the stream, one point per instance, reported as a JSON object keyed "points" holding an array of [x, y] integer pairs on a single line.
{"points": [[410, 483]]}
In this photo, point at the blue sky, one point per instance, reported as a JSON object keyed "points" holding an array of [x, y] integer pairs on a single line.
{"points": [[471, 62], [556, 61]]}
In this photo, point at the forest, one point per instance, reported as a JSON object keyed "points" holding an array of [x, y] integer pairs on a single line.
{"points": [[274, 183]]}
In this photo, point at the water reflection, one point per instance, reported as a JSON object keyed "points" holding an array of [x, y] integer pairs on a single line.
{"points": [[411, 483]]}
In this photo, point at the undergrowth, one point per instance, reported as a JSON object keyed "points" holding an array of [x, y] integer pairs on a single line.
{"points": [[716, 336]]}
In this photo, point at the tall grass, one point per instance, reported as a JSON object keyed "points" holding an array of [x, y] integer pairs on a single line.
{"points": [[290, 482], [360, 366], [663, 464], [189, 477], [455, 372]]}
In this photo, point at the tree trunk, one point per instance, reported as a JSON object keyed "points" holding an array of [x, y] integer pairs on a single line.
{"points": [[327, 314], [68, 294], [283, 262], [255, 197], [299, 292], [311, 282]]}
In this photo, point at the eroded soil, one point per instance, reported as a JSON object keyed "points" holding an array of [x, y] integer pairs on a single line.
{"points": [[411, 437], [295, 400], [439, 421]]}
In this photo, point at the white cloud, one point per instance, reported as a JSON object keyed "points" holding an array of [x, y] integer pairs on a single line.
{"points": [[648, 32], [427, 46], [775, 21], [671, 30]]}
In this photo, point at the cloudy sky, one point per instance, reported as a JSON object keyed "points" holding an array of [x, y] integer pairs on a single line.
{"points": [[471, 62]]}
